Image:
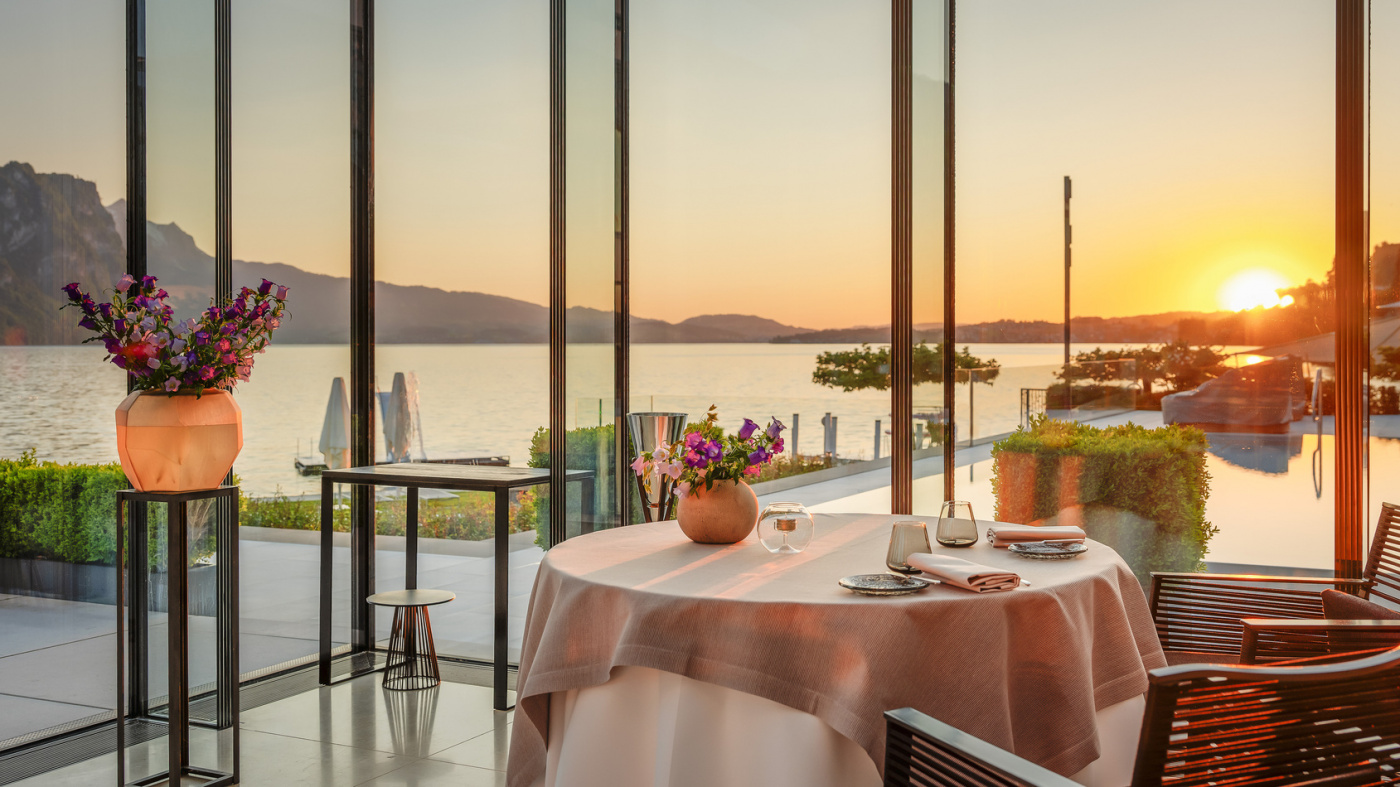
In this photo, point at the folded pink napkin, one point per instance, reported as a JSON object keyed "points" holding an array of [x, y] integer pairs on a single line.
{"points": [[1005, 535], [964, 573]]}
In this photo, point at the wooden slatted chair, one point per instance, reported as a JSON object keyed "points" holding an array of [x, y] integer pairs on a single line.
{"points": [[1313, 724], [1200, 617]]}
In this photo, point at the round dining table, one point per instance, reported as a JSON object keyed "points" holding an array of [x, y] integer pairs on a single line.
{"points": [[649, 659]]}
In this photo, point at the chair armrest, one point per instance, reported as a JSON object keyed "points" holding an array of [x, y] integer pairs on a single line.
{"points": [[1201, 612], [920, 749], [1295, 639]]}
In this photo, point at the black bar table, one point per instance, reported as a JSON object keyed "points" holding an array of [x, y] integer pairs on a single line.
{"points": [[415, 476], [177, 594]]}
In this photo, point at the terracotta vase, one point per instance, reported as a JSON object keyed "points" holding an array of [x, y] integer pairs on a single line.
{"points": [[722, 515], [179, 443]]}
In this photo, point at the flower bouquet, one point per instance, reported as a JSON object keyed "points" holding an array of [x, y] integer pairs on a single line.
{"points": [[707, 469], [180, 429], [214, 350]]}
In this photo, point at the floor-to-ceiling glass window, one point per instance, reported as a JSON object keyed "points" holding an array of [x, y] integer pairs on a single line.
{"points": [[760, 232], [62, 183], [1384, 246], [462, 320], [1173, 192], [291, 225], [591, 222]]}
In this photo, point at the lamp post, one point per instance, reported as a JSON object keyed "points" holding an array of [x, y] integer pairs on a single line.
{"points": [[1068, 235]]}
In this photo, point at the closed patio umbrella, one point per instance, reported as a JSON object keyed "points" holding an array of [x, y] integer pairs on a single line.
{"points": [[335, 430], [398, 421]]}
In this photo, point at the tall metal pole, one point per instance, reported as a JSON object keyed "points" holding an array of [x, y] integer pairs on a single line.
{"points": [[1068, 238]]}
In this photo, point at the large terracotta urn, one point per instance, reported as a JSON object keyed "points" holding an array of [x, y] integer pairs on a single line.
{"points": [[723, 514], [179, 443]]}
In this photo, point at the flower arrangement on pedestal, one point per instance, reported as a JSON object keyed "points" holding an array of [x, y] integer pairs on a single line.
{"points": [[180, 429], [707, 468]]}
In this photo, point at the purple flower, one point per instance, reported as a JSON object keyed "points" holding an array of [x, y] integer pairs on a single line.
{"points": [[265, 287], [207, 373], [281, 293], [172, 384], [147, 282], [111, 344], [245, 292], [88, 323], [89, 308], [177, 345], [74, 293], [105, 309], [746, 431], [774, 429], [758, 457], [778, 446], [201, 337], [694, 439], [695, 460], [119, 361], [162, 294], [119, 325], [714, 451], [125, 282], [153, 363], [226, 329]]}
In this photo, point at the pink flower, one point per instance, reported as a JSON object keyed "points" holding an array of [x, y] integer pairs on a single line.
{"points": [[639, 465], [281, 293], [172, 384]]}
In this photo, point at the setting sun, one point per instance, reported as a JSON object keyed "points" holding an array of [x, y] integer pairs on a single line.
{"points": [[1253, 288]]}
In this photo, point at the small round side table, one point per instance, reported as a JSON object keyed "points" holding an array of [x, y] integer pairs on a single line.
{"points": [[412, 662]]}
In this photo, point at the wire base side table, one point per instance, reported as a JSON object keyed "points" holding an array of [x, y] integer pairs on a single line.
{"points": [[412, 660]]}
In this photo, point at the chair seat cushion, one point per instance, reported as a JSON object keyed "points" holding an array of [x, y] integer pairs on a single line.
{"points": [[1337, 605]]}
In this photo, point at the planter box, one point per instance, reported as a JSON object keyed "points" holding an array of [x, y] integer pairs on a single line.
{"points": [[1141, 492], [98, 584]]}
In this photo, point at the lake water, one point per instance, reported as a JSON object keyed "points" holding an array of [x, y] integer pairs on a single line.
{"points": [[488, 399]]}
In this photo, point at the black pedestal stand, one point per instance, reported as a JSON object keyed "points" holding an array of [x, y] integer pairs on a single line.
{"points": [[178, 710]]}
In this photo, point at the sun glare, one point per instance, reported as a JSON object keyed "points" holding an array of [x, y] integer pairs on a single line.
{"points": [[1253, 288]]}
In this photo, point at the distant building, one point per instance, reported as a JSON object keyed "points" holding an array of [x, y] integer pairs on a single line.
{"points": [[1385, 274]]}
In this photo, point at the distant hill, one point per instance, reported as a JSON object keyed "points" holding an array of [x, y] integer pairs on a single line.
{"points": [[54, 229]]}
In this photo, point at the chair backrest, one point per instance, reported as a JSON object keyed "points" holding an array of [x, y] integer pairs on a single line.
{"points": [[1382, 573], [1333, 724], [924, 752]]}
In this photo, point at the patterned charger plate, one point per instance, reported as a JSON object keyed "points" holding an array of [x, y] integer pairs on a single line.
{"points": [[1040, 550], [884, 584]]}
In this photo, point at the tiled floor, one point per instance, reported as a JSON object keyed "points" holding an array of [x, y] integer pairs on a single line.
{"points": [[352, 734]]}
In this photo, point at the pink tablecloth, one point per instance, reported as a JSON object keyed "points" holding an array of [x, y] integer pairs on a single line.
{"points": [[1025, 669]]}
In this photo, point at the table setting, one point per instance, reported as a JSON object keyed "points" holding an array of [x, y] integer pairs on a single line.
{"points": [[649, 658]]}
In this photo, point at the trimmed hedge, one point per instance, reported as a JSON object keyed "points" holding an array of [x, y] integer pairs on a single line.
{"points": [[68, 513], [1143, 491], [587, 448]]}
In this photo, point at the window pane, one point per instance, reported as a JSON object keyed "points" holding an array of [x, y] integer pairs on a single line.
{"points": [[462, 256], [62, 182], [1202, 214], [760, 217], [291, 225]]}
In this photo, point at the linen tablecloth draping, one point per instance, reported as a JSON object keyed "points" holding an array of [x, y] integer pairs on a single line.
{"points": [[1024, 669]]}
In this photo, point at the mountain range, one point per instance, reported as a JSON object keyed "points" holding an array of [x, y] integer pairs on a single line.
{"points": [[54, 229]]}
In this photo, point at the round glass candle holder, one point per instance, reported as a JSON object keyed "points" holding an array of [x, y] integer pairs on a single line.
{"points": [[785, 528]]}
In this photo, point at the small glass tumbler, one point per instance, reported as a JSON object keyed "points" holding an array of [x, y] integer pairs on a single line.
{"points": [[785, 528], [908, 537], [956, 525]]}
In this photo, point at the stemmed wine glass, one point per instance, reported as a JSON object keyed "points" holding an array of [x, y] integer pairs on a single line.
{"points": [[909, 536]]}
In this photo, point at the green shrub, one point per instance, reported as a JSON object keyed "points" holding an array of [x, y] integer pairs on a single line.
{"points": [[470, 516], [68, 512], [1158, 476], [587, 448]]}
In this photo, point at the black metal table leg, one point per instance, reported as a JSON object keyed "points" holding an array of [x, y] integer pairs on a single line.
{"points": [[178, 638], [410, 581], [327, 542], [362, 578], [502, 599], [138, 606], [121, 644]]}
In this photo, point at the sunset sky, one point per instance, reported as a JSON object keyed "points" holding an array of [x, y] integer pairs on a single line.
{"points": [[1198, 133]]}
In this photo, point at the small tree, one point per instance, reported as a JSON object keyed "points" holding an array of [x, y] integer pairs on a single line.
{"points": [[866, 367], [1178, 365]]}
